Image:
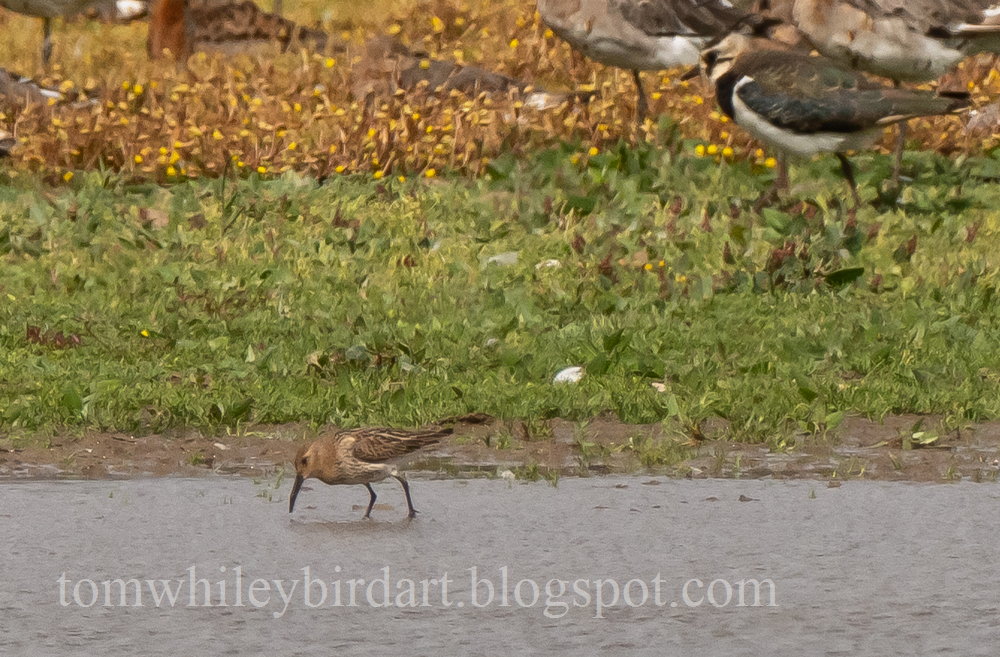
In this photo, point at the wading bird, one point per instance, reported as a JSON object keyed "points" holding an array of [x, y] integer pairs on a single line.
{"points": [[49, 9], [903, 40], [382, 66], [806, 105], [19, 90], [7, 143], [361, 456], [640, 35], [186, 26]]}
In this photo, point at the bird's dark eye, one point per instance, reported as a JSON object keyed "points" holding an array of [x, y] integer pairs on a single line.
{"points": [[305, 460], [710, 58]]}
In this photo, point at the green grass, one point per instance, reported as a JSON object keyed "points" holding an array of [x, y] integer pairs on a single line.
{"points": [[211, 304]]}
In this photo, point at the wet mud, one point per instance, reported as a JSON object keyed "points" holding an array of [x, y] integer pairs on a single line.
{"points": [[899, 448]]}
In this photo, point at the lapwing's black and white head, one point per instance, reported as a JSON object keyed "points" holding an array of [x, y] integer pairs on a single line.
{"points": [[753, 32], [718, 59]]}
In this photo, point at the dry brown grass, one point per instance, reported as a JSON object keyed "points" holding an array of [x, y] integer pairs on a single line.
{"points": [[269, 113]]}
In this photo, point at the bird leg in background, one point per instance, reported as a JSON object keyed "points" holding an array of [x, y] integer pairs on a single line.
{"points": [[276, 7], [897, 161], [642, 106], [781, 179], [848, 171], [46, 41], [406, 489], [371, 502]]}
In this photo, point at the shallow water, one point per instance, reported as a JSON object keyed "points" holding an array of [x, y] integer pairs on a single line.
{"points": [[870, 568]]}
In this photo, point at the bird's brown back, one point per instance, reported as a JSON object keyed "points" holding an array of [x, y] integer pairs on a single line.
{"points": [[377, 445], [184, 26]]}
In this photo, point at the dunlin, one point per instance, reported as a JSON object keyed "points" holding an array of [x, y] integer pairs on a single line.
{"points": [[361, 456]]}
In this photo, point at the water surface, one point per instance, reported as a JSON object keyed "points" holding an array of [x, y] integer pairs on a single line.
{"points": [[870, 568]]}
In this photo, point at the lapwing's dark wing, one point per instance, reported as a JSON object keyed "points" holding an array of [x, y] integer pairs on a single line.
{"points": [[377, 445], [694, 18], [808, 95]]}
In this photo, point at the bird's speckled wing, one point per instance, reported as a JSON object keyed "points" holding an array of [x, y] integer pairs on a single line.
{"points": [[811, 94], [704, 18], [211, 21], [380, 445]]}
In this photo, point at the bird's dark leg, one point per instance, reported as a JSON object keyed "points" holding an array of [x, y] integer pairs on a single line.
{"points": [[781, 180], [46, 41], [371, 502], [406, 490], [848, 171], [897, 163], [642, 108]]}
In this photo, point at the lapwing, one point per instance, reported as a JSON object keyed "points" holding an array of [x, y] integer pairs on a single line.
{"points": [[640, 35], [185, 26], [383, 65], [804, 105], [903, 40], [49, 9], [7, 143], [361, 456], [19, 90]]}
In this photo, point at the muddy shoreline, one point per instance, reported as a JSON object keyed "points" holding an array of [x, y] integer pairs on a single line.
{"points": [[859, 449]]}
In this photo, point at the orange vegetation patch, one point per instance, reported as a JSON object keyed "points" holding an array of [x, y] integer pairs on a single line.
{"points": [[267, 113]]}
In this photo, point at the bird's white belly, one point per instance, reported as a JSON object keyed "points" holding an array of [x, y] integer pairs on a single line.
{"points": [[634, 50], [653, 55], [803, 145]]}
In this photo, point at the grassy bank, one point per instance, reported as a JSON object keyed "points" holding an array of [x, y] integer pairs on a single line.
{"points": [[213, 304]]}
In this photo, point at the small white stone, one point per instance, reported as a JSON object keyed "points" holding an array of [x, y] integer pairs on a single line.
{"points": [[219, 446], [548, 264], [506, 258], [507, 475], [568, 375], [658, 387]]}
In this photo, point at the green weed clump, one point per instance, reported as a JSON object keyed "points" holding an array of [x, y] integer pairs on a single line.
{"points": [[134, 307]]}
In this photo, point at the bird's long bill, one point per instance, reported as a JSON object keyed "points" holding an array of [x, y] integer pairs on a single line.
{"points": [[295, 492], [691, 73]]}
